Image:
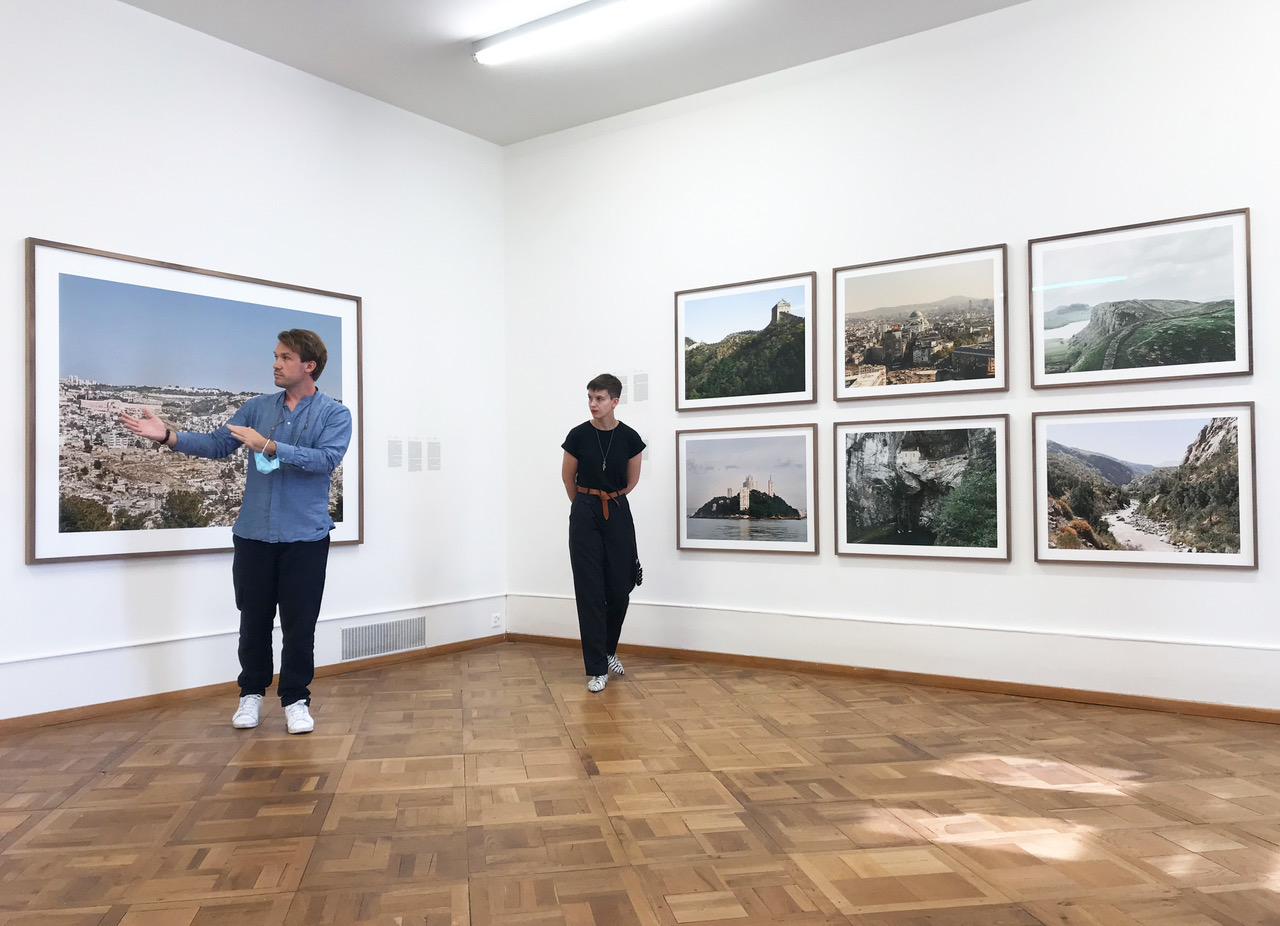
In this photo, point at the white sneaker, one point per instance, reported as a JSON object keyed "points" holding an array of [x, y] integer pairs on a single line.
{"points": [[597, 682], [298, 718], [246, 715], [615, 666]]}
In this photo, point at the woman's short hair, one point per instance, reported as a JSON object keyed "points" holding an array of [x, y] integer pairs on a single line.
{"points": [[308, 346], [608, 382]]}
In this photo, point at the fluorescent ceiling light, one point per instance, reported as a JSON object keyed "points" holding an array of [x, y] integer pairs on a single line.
{"points": [[587, 22]]}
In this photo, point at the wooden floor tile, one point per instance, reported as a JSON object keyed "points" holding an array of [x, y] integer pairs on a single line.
{"points": [[519, 848], [907, 878], [435, 904], [402, 774], [509, 768], [1052, 865], [244, 819], [753, 890], [612, 897], [102, 827], [221, 870], [396, 811], [490, 788], [565, 801], [265, 910], [398, 859], [648, 794], [836, 826], [696, 836]]}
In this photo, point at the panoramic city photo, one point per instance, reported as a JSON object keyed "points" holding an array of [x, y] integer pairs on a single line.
{"points": [[931, 324], [107, 345]]}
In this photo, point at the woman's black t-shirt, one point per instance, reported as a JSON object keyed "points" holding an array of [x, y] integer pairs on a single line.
{"points": [[602, 455]]}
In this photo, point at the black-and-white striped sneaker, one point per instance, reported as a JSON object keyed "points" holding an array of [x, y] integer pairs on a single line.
{"points": [[615, 666], [597, 682]]}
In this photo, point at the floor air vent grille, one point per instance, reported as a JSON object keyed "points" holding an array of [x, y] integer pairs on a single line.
{"points": [[379, 639]]}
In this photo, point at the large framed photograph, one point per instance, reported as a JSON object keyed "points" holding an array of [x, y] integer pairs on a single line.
{"points": [[746, 344], [752, 489], [1161, 300], [927, 488], [108, 333], [928, 325], [1149, 486]]}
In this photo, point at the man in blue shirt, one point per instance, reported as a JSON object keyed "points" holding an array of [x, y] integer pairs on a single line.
{"points": [[297, 438]]}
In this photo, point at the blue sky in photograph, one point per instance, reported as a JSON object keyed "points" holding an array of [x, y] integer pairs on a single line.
{"points": [[1161, 442], [715, 464], [125, 334], [709, 319]]}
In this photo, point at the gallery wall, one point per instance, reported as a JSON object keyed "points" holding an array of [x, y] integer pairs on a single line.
{"points": [[1051, 117], [129, 133]]}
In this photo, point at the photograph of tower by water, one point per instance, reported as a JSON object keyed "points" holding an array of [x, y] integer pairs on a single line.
{"points": [[1156, 486], [124, 336], [923, 488], [746, 344], [747, 489], [922, 325], [1166, 300]]}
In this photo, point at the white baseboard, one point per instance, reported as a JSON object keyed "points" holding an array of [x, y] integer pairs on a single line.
{"points": [[1167, 670], [70, 680]]}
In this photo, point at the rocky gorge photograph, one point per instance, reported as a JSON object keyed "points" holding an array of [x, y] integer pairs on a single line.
{"points": [[1146, 488], [926, 488]]}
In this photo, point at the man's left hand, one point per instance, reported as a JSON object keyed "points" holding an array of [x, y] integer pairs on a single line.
{"points": [[249, 437]]}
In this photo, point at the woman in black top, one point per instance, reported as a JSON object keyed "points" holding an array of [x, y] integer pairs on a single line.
{"points": [[601, 466]]}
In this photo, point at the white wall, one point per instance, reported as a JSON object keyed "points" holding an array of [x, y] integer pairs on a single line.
{"points": [[1051, 117], [126, 132]]}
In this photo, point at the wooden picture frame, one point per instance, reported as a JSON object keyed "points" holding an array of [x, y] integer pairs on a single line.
{"points": [[925, 488], [935, 324], [1172, 485], [746, 344], [108, 333], [1139, 303], [770, 481]]}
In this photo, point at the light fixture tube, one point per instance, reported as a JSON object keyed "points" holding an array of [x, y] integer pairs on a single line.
{"points": [[584, 22]]}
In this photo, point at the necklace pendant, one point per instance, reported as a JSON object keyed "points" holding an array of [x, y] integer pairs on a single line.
{"points": [[604, 465]]}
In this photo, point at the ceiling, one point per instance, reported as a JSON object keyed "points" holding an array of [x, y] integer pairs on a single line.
{"points": [[416, 54]]}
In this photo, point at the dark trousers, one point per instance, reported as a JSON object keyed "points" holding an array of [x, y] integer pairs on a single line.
{"points": [[289, 576], [603, 556]]}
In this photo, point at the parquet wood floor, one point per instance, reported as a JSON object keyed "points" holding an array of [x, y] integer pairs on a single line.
{"points": [[489, 787]]}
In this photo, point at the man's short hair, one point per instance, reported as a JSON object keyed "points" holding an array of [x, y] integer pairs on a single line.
{"points": [[308, 346], [606, 381]]}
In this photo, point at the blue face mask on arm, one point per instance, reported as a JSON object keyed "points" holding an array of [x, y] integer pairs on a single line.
{"points": [[265, 464]]}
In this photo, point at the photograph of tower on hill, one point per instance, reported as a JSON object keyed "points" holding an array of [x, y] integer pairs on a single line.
{"points": [[921, 325], [745, 344], [747, 489], [189, 350], [1147, 486], [1166, 300], [924, 488]]}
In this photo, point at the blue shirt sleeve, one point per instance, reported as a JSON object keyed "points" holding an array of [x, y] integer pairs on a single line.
{"points": [[214, 445], [330, 448]]}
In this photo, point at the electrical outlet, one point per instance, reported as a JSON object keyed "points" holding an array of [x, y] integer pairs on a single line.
{"points": [[495, 620]]}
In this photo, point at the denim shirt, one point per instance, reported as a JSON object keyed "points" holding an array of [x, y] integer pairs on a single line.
{"points": [[291, 503]]}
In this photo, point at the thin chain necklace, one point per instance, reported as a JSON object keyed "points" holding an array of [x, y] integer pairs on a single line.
{"points": [[604, 454]]}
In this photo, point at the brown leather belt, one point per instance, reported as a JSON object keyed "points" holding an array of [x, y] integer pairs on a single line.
{"points": [[604, 497]]}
